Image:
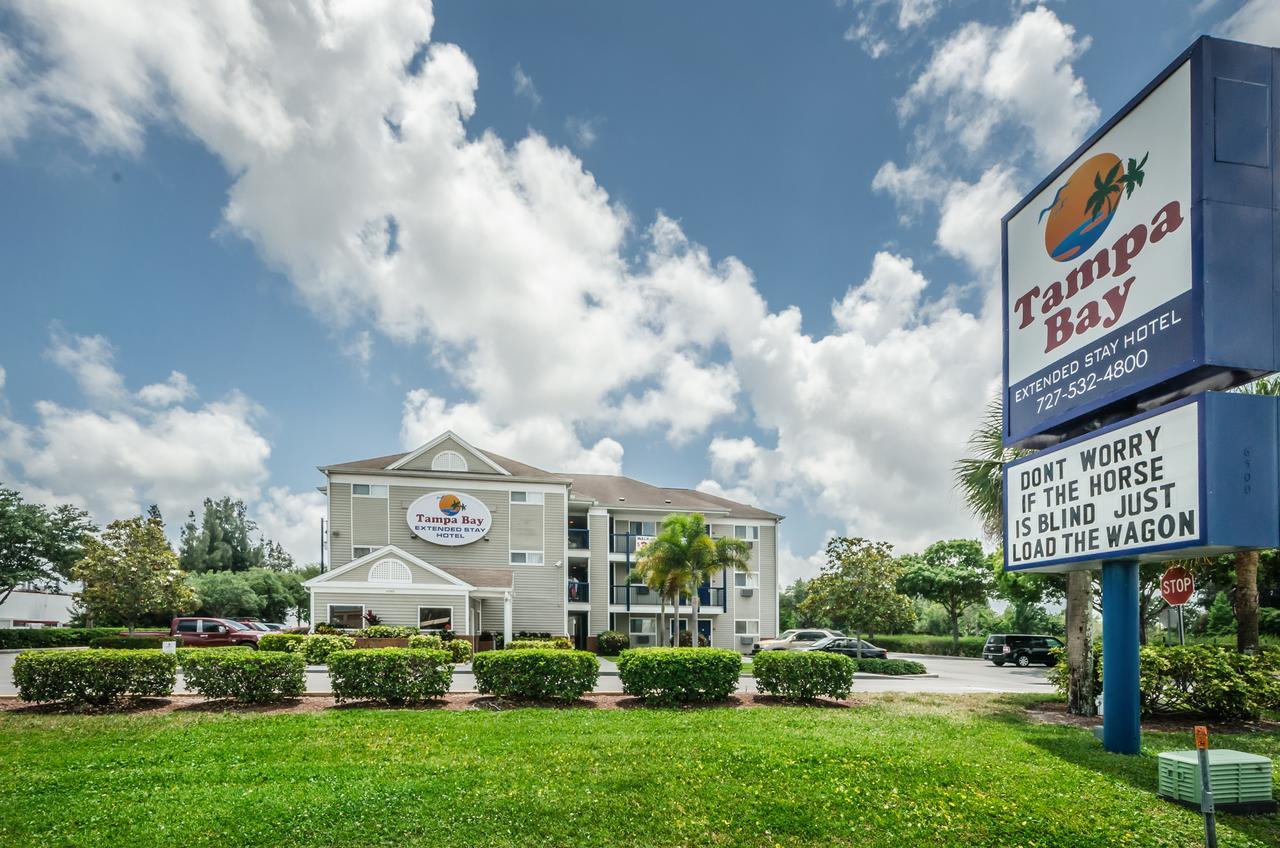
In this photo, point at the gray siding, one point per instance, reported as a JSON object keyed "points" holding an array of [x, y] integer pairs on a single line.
{"points": [[368, 521], [399, 609], [490, 551], [598, 573], [527, 527], [339, 525], [420, 575], [768, 592], [474, 463]]}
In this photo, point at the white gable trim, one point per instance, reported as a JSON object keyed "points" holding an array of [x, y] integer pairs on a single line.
{"points": [[447, 434], [381, 553]]}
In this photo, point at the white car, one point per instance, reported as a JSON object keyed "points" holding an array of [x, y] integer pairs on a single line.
{"points": [[794, 640]]}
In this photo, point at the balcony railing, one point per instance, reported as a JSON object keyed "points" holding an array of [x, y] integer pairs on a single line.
{"points": [[579, 592], [638, 595], [579, 539]]}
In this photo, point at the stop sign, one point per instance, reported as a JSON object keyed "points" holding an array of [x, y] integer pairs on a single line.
{"points": [[1176, 586]]}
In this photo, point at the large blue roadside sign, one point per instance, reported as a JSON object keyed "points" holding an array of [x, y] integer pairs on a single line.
{"points": [[1143, 269]]}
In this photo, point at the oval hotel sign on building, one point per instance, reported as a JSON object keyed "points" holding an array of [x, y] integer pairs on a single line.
{"points": [[449, 518], [1141, 269]]}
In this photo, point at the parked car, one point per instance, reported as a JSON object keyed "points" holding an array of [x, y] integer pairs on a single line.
{"points": [[200, 632], [793, 640], [848, 647], [260, 626], [1021, 649]]}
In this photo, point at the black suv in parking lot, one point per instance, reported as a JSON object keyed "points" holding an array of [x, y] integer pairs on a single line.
{"points": [[1020, 649]]}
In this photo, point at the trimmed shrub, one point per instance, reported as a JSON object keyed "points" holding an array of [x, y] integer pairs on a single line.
{"points": [[387, 631], [612, 642], [920, 643], [127, 642], [1206, 681], [875, 666], [543, 674], [459, 649], [686, 641], [391, 675], [93, 677], [53, 637], [559, 643], [679, 675], [290, 643], [428, 642], [316, 650], [804, 675], [253, 677]]}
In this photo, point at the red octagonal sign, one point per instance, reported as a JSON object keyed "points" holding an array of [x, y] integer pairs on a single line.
{"points": [[1176, 586]]}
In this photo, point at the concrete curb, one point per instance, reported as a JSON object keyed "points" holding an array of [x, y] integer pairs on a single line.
{"points": [[58, 648]]}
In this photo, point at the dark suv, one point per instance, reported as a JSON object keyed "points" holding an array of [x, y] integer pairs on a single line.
{"points": [[1021, 649]]}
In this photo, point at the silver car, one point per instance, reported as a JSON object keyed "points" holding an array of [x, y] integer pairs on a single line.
{"points": [[794, 640]]}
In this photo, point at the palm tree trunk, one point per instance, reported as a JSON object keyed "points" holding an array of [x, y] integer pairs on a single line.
{"points": [[1247, 602], [1080, 696], [693, 618], [662, 620]]}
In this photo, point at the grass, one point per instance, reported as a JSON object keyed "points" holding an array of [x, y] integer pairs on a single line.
{"points": [[899, 771]]}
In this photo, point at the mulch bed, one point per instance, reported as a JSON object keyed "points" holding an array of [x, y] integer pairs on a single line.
{"points": [[454, 701], [1056, 713]]}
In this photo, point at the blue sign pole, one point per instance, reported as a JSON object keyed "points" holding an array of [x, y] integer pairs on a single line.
{"points": [[1121, 728]]}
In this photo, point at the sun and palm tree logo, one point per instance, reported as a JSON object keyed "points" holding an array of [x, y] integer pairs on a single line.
{"points": [[451, 505], [1084, 206]]}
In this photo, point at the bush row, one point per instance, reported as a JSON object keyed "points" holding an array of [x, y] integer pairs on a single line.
{"points": [[1202, 680], [242, 675], [459, 650], [804, 675], [679, 675], [53, 637], [920, 643], [891, 666], [390, 675], [127, 642], [562, 643], [550, 674], [612, 642], [289, 643], [93, 677]]}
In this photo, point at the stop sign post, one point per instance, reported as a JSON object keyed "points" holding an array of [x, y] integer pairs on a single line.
{"points": [[1176, 587]]}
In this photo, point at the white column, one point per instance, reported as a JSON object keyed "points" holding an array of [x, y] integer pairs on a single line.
{"points": [[506, 618]]}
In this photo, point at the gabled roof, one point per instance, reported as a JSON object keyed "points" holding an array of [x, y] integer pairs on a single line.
{"points": [[445, 436], [394, 462], [462, 577], [617, 492]]}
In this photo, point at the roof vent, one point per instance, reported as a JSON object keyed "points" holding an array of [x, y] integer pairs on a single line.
{"points": [[621, 499], [668, 500]]}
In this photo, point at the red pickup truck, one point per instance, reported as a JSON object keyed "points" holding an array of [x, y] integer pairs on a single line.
{"points": [[212, 632]]}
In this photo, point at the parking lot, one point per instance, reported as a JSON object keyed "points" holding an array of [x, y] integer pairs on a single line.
{"points": [[959, 675]]}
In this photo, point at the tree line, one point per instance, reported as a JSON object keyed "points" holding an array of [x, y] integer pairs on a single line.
{"points": [[130, 575]]}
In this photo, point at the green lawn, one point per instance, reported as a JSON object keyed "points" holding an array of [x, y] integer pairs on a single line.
{"points": [[899, 771]]}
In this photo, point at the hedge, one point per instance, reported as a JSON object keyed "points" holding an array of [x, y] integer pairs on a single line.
{"points": [[316, 650], [386, 631], [875, 666], [679, 675], [53, 637], [290, 643], [543, 674], [248, 676], [128, 642], [427, 642], [93, 677], [804, 675], [612, 642], [921, 643], [561, 643], [391, 675], [1200, 680]]}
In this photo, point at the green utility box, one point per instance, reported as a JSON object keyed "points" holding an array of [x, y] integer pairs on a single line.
{"points": [[1241, 782]]}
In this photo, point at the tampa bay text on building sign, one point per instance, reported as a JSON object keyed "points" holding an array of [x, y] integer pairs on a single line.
{"points": [[1131, 489]]}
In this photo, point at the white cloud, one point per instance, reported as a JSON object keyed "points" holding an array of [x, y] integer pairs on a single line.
{"points": [[792, 566], [983, 78], [969, 227], [176, 389], [1257, 21], [880, 24], [293, 520], [524, 86], [90, 359], [584, 131]]}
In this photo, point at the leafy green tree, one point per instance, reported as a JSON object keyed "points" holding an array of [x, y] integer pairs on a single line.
{"points": [[1221, 618], [276, 558], [222, 540], [790, 600], [856, 590], [952, 573], [37, 545], [226, 594], [130, 572]]}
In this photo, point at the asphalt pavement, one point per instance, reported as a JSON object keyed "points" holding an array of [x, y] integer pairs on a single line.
{"points": [[956, 675]]}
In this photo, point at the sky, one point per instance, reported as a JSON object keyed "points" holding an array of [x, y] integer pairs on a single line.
{"points": [[747, 247]]}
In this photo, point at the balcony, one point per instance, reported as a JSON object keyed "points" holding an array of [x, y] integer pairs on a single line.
{"points": [[579, 539], [633, 595], [579, 592]]}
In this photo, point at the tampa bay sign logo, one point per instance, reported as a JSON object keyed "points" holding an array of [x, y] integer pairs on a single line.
{"points": [[449, 518], [1082, 210]]}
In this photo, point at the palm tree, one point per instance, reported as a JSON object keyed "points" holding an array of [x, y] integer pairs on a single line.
{"points": [[676, 557], [728, 554], [1103, 189], [980, 479], [1133, 176], [663, 576]]}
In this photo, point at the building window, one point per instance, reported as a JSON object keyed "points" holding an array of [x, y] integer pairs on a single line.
{"points": [[643, 626], [435, 619], [390, 571], [638, 528], [747, 627], [368, 490], [750, 532], [346, 616], [448, 461], [526, 557], [745, 579], [526, 497], [357, 552]]}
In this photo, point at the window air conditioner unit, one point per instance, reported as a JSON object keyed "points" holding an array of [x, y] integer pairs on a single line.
{"points": [[746, 640], [642, 590], [746, 593]]}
